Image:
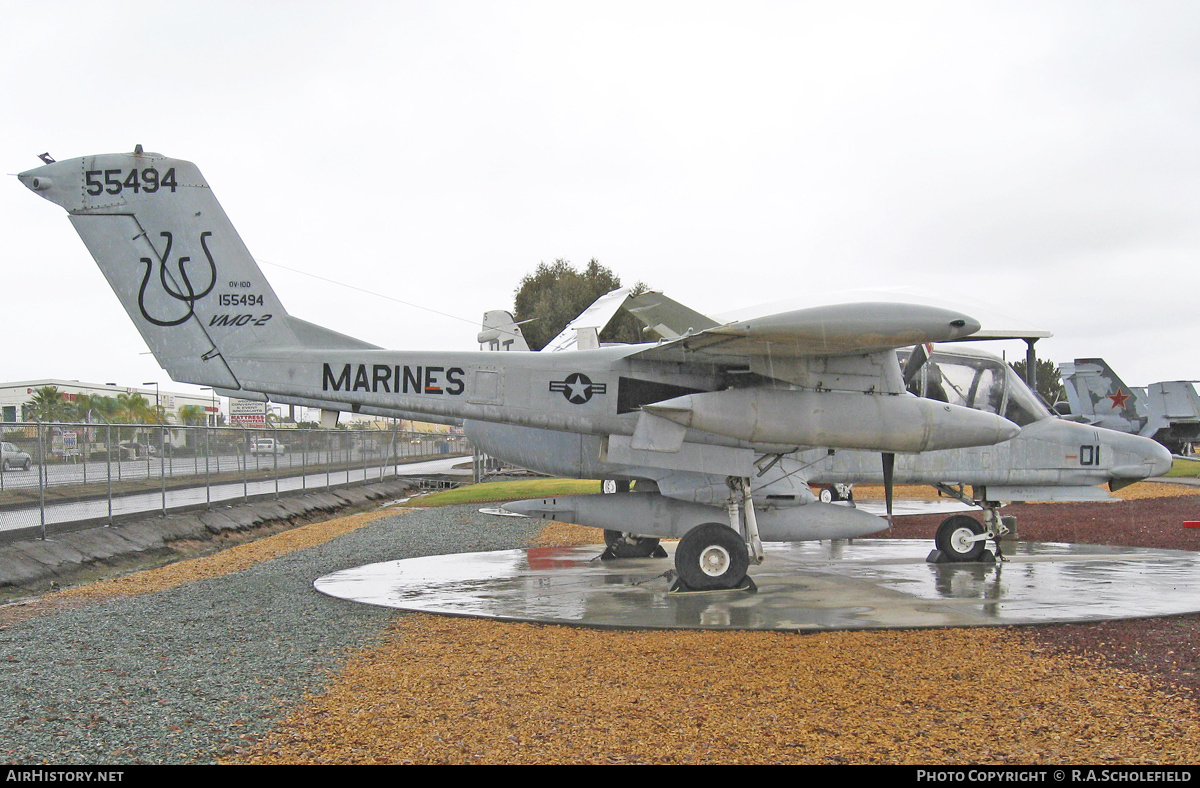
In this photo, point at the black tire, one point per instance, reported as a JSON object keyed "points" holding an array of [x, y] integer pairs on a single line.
{"points": [[28, 465], [952, 537], [711, 557], [5, 466], [829, 494], [621, 545]]}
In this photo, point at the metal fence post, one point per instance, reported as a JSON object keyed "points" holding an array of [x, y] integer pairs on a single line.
{"points": [[41, 478], [207, 473], [245, 466], [162, 458], [108, 467]]}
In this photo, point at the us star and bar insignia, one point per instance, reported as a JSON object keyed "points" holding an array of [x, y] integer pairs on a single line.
{"points": [[578, 388]]}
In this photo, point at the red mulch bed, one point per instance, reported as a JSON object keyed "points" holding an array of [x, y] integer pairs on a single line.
{"points": [[1163, 649]]}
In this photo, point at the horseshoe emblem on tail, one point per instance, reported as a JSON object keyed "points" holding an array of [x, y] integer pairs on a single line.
{"points": [[187, 293]]}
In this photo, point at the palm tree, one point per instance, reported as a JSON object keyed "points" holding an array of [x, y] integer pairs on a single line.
{"points": [[193, 414], [48, 404], [87, 407], [104, 406], [135, 409]]}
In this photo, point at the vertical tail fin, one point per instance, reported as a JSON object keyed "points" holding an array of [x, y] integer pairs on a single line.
{"points": [[175, 261], [500, 331], [1095, 393]]}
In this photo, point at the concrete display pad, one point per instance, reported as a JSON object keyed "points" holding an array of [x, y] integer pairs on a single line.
{"points": [[853, 584]]}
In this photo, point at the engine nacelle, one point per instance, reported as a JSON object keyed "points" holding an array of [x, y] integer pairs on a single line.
{"points": [[876, 422]]}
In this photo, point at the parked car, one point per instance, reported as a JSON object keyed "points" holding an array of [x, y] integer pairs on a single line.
{"points": [[14, 457], [133, 449], [267, 446]]}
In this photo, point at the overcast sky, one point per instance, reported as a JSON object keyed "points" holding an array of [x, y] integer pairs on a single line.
{"points": [[1035, 160]]}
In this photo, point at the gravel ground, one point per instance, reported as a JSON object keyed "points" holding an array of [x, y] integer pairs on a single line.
{"points": [[186, 674], [235, 659]]}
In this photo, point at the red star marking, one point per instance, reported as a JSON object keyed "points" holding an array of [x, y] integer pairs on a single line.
{"points": [[1118, 399]]}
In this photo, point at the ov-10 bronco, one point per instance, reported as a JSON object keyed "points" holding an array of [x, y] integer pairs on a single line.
{"points": [[1051, 459], [714, 413]]}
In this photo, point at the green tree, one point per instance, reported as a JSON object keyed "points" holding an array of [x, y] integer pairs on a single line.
{"points": [[1049, 381], [554, 295], [135, 409], [193, 415], [48, 404], [94, 407]]}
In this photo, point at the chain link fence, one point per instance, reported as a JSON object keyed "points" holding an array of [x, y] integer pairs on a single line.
{"points": [[68, 473]]}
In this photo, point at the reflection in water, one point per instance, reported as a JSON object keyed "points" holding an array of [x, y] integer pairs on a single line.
{"points": [[846, 584]]}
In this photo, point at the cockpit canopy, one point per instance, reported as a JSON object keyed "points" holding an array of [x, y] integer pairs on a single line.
{"points": [[976, 380]]}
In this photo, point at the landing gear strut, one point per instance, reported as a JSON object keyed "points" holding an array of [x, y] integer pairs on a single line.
{"points": [[714, 556], [963, 539]]}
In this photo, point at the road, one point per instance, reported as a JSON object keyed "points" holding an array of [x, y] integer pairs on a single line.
{"points": [[92, 472], [157, 501]]}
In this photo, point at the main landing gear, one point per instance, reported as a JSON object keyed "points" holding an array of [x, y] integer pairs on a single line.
{"points": [[715, 556], [710, 556]]}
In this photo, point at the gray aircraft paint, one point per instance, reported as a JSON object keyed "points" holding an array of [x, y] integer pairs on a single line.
{"points": [[210, 317]]}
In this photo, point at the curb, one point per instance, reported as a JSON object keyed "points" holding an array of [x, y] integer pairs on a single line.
{"points": [[34, 564]]}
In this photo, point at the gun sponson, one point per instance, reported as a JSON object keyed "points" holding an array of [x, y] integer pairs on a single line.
{"points": [[901, 423]]}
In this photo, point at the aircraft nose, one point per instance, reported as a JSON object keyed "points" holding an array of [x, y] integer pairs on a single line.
{"points": [[1139, 458], [1160, 458]]}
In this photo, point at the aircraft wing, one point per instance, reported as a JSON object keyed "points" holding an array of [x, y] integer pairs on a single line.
{"points": [[583, 333], [666, 317], [838, 330]]}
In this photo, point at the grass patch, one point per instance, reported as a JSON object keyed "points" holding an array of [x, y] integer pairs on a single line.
{"points": [[509, 491], [1184, 468]]}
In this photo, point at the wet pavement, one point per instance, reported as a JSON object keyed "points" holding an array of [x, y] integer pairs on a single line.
{"points": [[806, 586]]}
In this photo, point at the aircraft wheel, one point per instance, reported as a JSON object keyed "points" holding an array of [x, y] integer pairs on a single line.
{"points": [[622, 545], [711, 557], [828, 494], [954, 535]]}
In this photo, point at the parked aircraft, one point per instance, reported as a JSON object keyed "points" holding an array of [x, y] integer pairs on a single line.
{"points": [[1051, 459], [1168, 412], [712, 412]]}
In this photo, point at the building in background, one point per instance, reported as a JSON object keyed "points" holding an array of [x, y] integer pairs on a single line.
{"points": [[15, 396]]}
